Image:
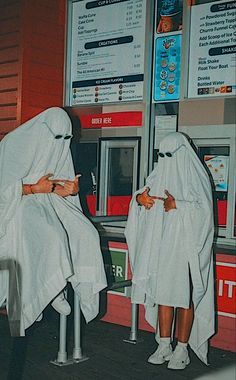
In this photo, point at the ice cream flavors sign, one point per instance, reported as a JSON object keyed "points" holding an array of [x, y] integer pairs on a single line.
{"points": [[212, 60], [107, 51], [167, 68]]}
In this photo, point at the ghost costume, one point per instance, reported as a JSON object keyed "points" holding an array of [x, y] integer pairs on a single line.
{"points": [[166, 249], [45, 240]]}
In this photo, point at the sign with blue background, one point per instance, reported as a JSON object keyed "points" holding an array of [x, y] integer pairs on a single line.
{"points": [[167, 68]]}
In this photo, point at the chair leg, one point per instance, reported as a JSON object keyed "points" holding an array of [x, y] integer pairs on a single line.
{"points": [[62, 359], [62, 354], [77, 351]]}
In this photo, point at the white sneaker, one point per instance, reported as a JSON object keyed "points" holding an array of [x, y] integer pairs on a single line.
{"points": [[161, 355], [179, 359], [61, 305]]}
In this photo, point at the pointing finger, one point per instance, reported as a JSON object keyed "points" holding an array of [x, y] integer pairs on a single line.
{"points": [[77, 178], [46, 176], [167, 193], [58, 180]]}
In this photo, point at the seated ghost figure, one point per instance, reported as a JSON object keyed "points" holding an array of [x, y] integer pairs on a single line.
{"points": [[45, 239]]}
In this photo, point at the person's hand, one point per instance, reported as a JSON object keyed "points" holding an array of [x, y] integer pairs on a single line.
{"points": [[67, 187], [44, 184], [169, 202], [146, 200]]}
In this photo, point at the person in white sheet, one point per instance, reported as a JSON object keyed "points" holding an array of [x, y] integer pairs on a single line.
{"points": [[169, 234], [45, 239]]}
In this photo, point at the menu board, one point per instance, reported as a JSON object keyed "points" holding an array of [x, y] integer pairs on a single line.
{"points": [[167, 68], [107, 52], [212, 60]]}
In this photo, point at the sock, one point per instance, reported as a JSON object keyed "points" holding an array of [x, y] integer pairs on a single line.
{"points": [[165, 341], [181, 344]]}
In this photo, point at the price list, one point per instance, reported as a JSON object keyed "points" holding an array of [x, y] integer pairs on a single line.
{"points": [[212, 61], [107, 55]]}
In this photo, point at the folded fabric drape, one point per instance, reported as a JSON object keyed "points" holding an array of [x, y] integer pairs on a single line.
{"points": [[167, 248], [45, 237]]}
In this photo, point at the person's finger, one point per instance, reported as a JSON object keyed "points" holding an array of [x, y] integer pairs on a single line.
{"points": [[68, 181], [168, 194], [145, 193], [161, 198], [154, 197], [76, 180], [68, 184], [46, 176], [58, 180]]}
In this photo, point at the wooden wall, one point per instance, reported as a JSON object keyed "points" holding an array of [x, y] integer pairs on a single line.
{"points": [[10, 21], [32, 50]]}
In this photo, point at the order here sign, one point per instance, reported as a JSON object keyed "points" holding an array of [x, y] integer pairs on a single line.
{"points": [[112, 119]]}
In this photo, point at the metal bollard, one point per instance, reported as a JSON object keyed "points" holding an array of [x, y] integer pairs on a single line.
{"points": [[134, 325], [134, 322]]}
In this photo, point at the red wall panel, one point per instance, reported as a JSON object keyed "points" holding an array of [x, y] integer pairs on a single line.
{"points": [[10, 25], [9, 64], [8, 83], [44, 49], [9, 39], [32, 40], [8, 98]]}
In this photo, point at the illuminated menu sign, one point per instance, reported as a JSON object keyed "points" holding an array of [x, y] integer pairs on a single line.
{"points": [[107, 52], [212, 60], [168, 40], [167, 68]]}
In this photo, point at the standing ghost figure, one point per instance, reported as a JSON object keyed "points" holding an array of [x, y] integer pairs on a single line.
{"points": [[45, 239], [170, 233]]}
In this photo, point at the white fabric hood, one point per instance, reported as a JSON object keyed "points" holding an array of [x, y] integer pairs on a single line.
{"points": [[45, 237], [165, 247]]}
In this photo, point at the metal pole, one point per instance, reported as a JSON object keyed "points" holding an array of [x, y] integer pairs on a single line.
{"points": [[77, 351], [134, 325], [134, 322], [62, 354]]}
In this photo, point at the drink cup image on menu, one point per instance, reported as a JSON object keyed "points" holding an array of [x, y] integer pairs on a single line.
{"points": [[169, 16]]}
